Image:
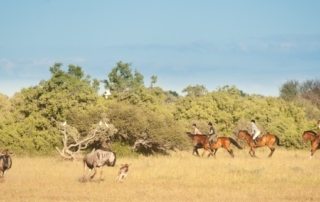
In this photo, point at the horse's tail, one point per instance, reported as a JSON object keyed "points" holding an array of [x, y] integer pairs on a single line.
{"points": [[235, 143], [278, 141]]}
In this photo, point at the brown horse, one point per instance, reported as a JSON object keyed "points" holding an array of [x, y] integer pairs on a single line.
{"points": [[314, 139], [202, 141], [266, 140], [199, 141], [224, 142]]}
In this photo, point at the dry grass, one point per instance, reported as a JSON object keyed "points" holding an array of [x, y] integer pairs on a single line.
{"points": [[288, 176]]}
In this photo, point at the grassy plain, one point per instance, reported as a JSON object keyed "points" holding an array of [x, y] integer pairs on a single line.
{"points": [[288, 176]]}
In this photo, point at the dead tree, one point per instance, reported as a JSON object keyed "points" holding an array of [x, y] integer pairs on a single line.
{"points": [[73, 143]]}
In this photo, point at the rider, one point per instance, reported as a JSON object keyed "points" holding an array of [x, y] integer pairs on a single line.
{"points": [[212, 134], [254, 130], [196, 131]]}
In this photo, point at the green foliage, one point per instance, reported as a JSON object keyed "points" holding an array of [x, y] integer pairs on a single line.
{"points": [[195, 91], [122, 150], [66, 95], [122, 79], [289, 90], [154, 79], [307, 90], [27, 121], [135, 123], [228, 107]]}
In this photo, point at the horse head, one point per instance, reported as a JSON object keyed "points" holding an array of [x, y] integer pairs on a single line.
{"points": [[243, 134], [308, 135]]}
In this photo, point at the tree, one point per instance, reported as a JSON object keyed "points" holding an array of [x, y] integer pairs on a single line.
{"points": [[195, 91], [289, 90], [154, 79], [149, 131], [122, 79], [74, 143], [310, 90]]}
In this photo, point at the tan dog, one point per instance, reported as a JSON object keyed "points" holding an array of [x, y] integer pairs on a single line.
{"points": [[123, 172]]}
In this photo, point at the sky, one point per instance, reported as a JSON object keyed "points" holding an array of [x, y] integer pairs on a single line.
{"points": [[255, 45]]}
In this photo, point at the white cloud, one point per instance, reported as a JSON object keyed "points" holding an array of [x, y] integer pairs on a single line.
{"points": [[6, 64], [287, 45]]}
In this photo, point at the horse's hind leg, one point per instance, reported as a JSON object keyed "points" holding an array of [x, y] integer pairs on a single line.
{"points": [[231, 152], [195, 151], [214, 153], [272, 150], [312, 152]]}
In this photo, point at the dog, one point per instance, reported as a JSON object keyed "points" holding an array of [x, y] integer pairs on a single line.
{"points": [[123, 172]]}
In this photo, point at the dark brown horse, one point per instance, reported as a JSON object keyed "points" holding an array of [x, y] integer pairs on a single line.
{"points": [[199, 141], [314, 139], [202, 141], [266, 140], [224, 142]]}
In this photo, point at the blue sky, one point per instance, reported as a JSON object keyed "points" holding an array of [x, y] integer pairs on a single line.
{"points": [[253, 44]]}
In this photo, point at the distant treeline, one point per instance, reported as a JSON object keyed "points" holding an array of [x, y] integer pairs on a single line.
{"points": [[140, 111]]}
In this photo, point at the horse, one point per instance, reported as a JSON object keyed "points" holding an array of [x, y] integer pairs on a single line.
{"points": [[224, 142], [199, 141], [314, 139], [266, 140], [202, 141]]}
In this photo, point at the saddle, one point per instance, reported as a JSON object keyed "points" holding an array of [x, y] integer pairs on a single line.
{"points": [[257, 139]]}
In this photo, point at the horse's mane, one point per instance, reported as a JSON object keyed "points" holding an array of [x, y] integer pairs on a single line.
{"points": [[310, 131], [245, 131], [191, 135]]}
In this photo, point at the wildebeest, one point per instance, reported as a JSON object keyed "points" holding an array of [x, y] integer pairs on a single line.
{"points": [[97, 159], [5, 162]]}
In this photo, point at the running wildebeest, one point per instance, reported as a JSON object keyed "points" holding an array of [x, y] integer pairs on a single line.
{"points": [[5, 162], [97, 159]]}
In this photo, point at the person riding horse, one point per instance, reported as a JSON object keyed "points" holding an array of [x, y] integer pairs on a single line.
{"points": [[212, 134], [196, 131], [254, 131]]}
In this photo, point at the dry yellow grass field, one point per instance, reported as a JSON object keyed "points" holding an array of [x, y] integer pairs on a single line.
{"points": [[288, 176]]}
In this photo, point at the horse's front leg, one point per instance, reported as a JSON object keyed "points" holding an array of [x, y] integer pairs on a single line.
{"points": [[214, 153], [312, 152], [252, 152], [204, 151]]}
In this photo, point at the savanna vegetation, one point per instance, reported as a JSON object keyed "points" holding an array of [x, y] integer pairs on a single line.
{"points": [[288, 176], [145, 116]]}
